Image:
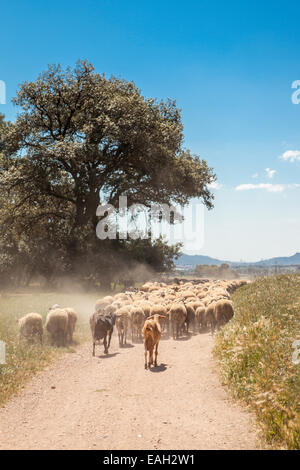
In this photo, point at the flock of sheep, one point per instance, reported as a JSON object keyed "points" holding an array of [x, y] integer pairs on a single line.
{"points": [[148, 312], [156, 308]]}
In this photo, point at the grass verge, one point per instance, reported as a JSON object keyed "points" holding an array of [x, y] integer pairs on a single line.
{"points": [[255, 352]]}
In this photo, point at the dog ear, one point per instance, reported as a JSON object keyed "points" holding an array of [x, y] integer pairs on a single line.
{"points": [[162, 316], [150, 318]]}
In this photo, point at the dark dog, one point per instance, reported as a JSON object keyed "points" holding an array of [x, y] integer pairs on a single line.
{"points": [[102, 327]]}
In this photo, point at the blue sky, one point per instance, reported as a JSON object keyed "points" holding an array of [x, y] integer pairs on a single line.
{"points": [[230, 66]]}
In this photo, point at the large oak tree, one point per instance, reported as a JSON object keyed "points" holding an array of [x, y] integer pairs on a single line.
{"points": [[81, 139]]}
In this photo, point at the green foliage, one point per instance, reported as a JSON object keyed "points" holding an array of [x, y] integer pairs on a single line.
{"points": [[255, 354]]}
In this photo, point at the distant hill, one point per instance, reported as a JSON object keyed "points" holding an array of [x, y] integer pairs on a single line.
{"points": [[192, 260], [197, 259], [281, 261]]}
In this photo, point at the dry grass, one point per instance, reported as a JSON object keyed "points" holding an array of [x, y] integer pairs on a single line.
{"points": [[22, 359], [255, 354]]}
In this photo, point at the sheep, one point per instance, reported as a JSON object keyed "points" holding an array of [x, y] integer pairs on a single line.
{"points": [[122, 322], [236, 284], [101, 304], [187, 294], [200, 295], [122, 327], [155, 299], [153, 289], [231, 287], [121, 296], [190, 317], [209, 317], [102, 326], [196, 303], [152, 334], [171, 296], [126, 302], [177, 317], [223, 312], [116, 304], [208, 300], [57, 325], [137, 320], [221, 294], [200, 316], [72, 319], [110, 309], [54, 307], [162, 311], [146, 307], [145, 287], [31, 327], [108, 298]]}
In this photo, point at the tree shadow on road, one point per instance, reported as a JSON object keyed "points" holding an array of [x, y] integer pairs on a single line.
{"points": [[165, 337], [106, 356], [161, 368], [184, 338], [126, 346], [137, 341]]}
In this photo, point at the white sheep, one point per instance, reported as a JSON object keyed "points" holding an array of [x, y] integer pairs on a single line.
{"points": [[72, 319], [31, 326], [57, 325]]}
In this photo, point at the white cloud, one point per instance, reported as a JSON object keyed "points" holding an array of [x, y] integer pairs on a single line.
{"points": [[271, 188], [291, 155], [255, 175], [270, 173], [215, 185]]}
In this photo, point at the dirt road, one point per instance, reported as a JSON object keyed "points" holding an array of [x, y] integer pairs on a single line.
{"points": [[111, 402]]}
